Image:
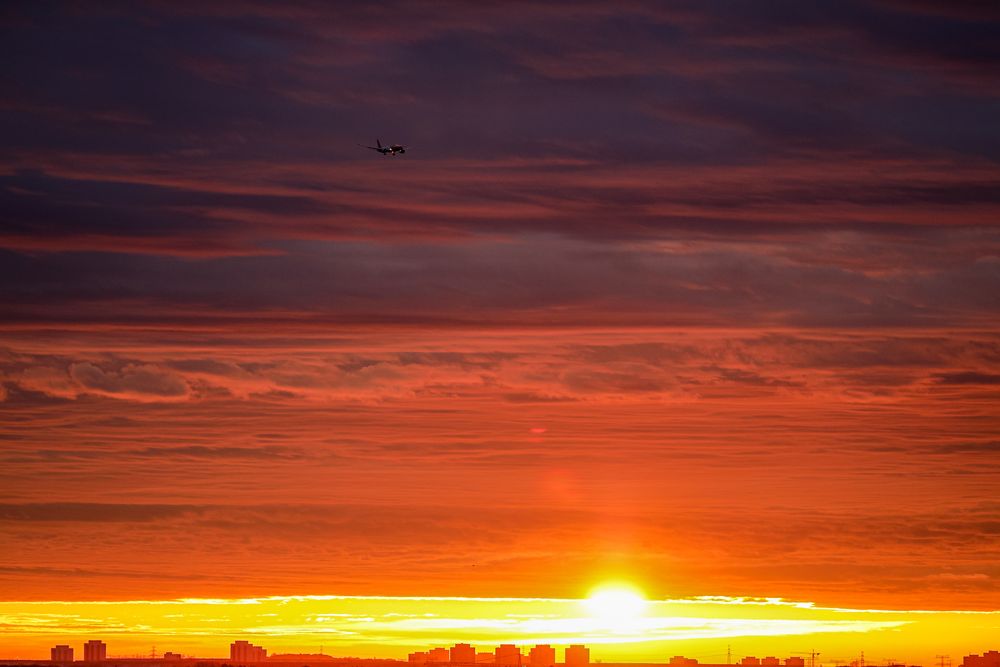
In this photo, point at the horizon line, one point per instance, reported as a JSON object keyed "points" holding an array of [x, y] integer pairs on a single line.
{"points": [[734, 600]]}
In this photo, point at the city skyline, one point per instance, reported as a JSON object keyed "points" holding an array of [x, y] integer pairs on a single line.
{"points": [[346, 626], [242, 652], [658, 327]]}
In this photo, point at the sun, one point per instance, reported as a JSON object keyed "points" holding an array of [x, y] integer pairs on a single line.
{"points": [[616, 605]]}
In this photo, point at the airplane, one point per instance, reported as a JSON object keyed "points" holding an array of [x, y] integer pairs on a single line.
{"points": [[386, 150]]}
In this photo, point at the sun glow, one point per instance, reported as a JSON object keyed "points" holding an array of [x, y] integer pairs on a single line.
{"points": [[617, 606], [616, 621]]}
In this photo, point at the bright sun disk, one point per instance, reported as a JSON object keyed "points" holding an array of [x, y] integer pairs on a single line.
{"points": [[616, 604]]}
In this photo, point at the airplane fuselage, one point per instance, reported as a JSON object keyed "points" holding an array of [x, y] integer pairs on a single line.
{"points": [[388, 150]]}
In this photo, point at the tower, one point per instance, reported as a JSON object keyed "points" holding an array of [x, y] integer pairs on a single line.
{"points": [[577, 655], [95, 651], [61, 653]]}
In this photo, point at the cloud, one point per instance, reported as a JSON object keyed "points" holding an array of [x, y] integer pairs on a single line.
{"points": [[134, 380], [664, 290], [636, 366], [91, 512], [968, 377]]}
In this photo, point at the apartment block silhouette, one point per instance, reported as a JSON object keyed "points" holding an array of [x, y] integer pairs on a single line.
{"points": [[95, 651], [988, 659], [463, 653], [577, 655], [507, 655], [61, 653], [243, 652], [542, 655]]}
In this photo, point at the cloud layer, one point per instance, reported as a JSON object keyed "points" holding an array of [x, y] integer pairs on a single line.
{"points": [[705, 296]]}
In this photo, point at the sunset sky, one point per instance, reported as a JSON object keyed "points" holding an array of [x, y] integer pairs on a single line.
{"points": [[702, 298]]}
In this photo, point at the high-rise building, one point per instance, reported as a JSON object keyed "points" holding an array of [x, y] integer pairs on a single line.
{"points": [[170, 655], [681, 661], [95, 651], [242, 652], [577, 655], [507, 655], [795, 661], [438, 655], [463, 653], [61, 653], [988, 659], [542, 655], [417, 657], [770, 661], [750, 661]]}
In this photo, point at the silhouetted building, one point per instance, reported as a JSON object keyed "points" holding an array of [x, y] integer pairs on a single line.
{"points": [[95, 651], [170, 655], [577, 655], [988, 659], [749, 661], [243, 652], [508, 655], [463, 653], [61, 653], [418, 657], [301, 658], [438, 655], [542, 655]]}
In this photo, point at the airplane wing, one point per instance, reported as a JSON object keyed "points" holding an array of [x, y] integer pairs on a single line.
{"points": [[371, 147]]}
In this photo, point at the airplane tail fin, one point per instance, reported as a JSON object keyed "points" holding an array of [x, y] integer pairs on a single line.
{"points": [[378, 142]]}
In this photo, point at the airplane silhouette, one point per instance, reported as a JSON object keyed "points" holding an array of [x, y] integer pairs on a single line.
{"points": [[386, 150]]}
